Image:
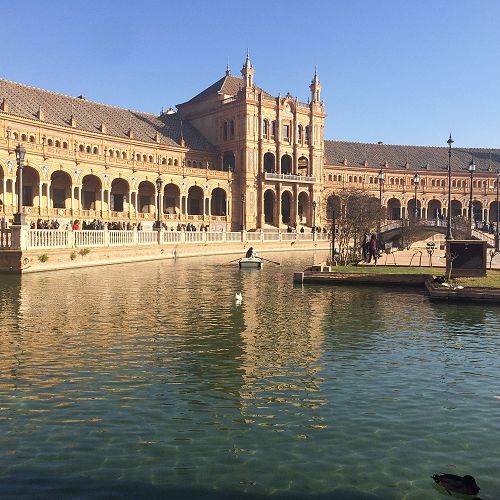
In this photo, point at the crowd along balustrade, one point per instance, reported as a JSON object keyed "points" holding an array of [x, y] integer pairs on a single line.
{"points": [[24, 238]]}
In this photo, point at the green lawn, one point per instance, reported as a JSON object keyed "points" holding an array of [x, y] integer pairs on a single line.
{"points": [[491, 280]]}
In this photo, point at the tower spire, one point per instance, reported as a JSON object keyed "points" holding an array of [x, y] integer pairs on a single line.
{"points": [[247, 72], [315, 86]]}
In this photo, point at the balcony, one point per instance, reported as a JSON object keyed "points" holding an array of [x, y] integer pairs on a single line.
{"points": [[289, 178]]}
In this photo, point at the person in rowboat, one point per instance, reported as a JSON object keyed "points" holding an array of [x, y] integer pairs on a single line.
{"points": [[250, 253]]}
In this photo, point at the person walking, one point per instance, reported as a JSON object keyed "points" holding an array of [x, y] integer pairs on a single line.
{"points": [[372, 251]]}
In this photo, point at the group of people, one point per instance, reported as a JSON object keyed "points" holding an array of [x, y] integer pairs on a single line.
{"points": [[485, 227], [188, 227]]}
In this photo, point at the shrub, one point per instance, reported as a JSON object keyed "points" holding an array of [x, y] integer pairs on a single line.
{"points": [[72, 255], [43, 258], [84, 251]]}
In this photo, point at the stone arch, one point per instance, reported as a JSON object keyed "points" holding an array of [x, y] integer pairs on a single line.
{"points": [[286, 164], [477, 211], [31, 186], [333, 202], [456, 208], [411, 208], [286, 206], [434, 209], [195, 200], [393, 209], [304, 202], [269, 204], [60, 189], [218, 202], [303, 165], [91, 191], [269, 163], [493, 212], [120, 189], [171, 199], [146, 197]]}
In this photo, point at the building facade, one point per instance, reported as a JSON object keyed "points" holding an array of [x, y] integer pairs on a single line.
{"points": [[232, 157]]}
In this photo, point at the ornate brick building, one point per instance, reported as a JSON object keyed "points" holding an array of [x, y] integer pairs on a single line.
{"points": [[231, 157]]}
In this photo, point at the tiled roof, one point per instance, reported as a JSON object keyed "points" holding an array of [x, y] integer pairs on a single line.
{"points": [[25, 101], [417, 157], [228, 85]]}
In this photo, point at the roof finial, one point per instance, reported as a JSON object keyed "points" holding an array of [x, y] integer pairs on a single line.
{"points": [[316, 78], [228, 70], [248, 63]]}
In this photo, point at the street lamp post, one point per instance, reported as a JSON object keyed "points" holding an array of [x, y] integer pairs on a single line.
{"points": [[243, 212], [381, 177], [159, 184], [471, 168], [416, 180], [497, 236], [333, 236], [314, 219], [19, 218], [448, 211]]}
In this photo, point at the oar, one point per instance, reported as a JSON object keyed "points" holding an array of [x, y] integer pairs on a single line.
{"points": [[234, 260], [272, 261]]}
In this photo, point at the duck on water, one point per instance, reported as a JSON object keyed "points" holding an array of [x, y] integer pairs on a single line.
{"points": [[465, 485]]}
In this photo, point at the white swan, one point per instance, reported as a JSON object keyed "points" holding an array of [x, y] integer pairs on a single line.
{"points": [[239, 297]]}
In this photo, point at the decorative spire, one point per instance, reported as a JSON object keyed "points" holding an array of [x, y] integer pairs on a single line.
{"points": [[315, 87], [247, 72], [228, 70]]}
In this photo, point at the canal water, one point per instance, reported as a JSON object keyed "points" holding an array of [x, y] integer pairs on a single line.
{"points": [[150, 381]]}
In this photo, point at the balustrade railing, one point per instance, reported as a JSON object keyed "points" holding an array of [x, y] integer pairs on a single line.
{"points": [[63, 238], [5, 238]]}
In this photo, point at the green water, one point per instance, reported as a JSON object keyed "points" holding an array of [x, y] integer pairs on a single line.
{"points": [[150, 381]]}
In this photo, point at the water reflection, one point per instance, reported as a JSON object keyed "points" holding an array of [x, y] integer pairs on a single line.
{"points": [[155, 373]]}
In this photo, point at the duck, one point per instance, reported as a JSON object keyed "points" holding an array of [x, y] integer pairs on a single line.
{"points": [[465, 485], [239, 297]]}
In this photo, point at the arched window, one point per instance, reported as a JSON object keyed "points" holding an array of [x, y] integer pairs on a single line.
{"points": [[176, 162], [273, 129], [231, 129], [16, 136], [88, 149], [265, 129], [124, 155], [150, 159], [111, 153], [224, 131], [95, 150], [144, 158], [350, 178], [58, 144], [23, 137], [188, 163], [65, 145], [80, 148], [32, 138], [170, 161], [300, 131], [308, 134], [50, 142], [163, 161], [330, 177]]}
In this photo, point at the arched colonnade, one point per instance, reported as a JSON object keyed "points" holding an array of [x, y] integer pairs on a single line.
{"points": [[79, 194]]}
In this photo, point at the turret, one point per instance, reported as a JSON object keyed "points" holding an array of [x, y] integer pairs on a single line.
{"points": [[315, 87], [247, 72]]}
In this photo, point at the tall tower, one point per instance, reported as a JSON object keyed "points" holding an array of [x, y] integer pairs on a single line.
{"points": [[315, 87], [247, 72]]}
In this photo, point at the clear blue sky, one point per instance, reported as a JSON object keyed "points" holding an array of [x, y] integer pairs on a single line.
{"points": [[403, 72]]}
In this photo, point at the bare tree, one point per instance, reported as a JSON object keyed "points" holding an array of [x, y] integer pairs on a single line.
{"points": [[357, 213]]}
